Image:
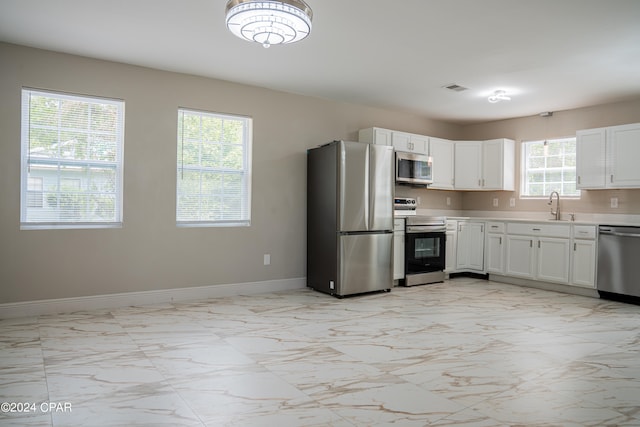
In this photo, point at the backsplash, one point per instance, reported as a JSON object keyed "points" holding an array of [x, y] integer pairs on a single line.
{"points": [[592, 203]]}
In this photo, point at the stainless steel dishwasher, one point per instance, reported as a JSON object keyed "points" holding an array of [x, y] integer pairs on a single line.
{"points": [[618, 261]]}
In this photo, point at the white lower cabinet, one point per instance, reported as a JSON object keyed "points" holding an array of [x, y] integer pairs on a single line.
{"points": [[398, 248], [583, 256], [545, 251], [553, 259], [519, 256], [470, 250], [451, 246], [494, 252], [538, 252]]}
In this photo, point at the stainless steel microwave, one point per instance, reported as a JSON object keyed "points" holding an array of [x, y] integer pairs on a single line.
{"points": [[413, 169]]}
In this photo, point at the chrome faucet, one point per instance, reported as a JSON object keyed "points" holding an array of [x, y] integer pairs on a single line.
{"points": [[557, 212]]}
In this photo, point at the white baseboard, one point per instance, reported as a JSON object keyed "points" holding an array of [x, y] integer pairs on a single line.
{"points": [[127, 299]]}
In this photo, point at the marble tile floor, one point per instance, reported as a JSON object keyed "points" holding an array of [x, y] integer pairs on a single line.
{"points": [[465, 352]]}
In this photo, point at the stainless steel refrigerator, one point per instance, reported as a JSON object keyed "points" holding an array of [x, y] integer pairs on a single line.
{"points": [[350, 218]]}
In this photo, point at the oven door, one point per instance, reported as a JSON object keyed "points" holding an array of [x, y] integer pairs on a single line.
{"points": [[424, 252]]}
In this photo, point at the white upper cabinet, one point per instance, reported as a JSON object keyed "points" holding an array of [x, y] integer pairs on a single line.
{"points": [[607, 157], [442, 169], [376, 136], [410, 143], [485, 165], [401, 141], [498, 165], [457, 165], [590, 158], [623, 152], [468, 165]]}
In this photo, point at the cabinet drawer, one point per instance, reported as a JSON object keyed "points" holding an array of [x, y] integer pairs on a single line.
{"points": [[536, 229], [495, 227], [584, 232]]}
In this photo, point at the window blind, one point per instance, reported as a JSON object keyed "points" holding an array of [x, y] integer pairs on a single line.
{"points": [[72, 149], [213, 169]]}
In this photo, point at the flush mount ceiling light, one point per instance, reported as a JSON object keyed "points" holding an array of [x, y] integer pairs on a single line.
{"points": [[499, 95], [269, 22]]}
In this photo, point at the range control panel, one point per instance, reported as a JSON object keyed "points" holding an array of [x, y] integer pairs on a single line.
{"points": [[404, 203]]}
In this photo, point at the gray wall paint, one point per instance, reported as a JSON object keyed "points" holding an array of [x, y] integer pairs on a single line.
{"points": [[149, 252]]}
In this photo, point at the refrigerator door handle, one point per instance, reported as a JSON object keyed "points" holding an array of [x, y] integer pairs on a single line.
{"points": [[368, 201], [380, 186]]}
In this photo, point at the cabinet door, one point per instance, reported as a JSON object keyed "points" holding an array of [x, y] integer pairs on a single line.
{"points": [[470, 251], [381, 136], [476, 246], [590, 158], [462, 250], [520, 253], [442, 154], [584, 263], [623, 152], [377, 136], [401, 141], [468, 161], [450, 252], [398, 255], [495, 253], [498, 164], [410, 143], [419, 144], [492, 165], [553, 259]]}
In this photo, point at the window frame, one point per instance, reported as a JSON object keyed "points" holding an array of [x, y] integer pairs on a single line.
{"points": [[524, 170], [60, 162], [246, 171]]}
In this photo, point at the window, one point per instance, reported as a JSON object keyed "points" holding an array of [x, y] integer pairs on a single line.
{"points": [[553, 169], [71, 161], [213, 169]]}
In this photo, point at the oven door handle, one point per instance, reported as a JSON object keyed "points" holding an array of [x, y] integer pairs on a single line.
{"points": [[425, 229]]}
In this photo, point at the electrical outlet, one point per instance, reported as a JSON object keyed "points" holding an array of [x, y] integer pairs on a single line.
{"points": [[267, 259], [614, 202], [495, 202], [512, 202], [448, 201], [331, 284]]}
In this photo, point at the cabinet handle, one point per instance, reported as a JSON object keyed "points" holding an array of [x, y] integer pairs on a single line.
{"points": [[494, 226], [536, 229], [479, 183], [530, 243], [579, 180], [483, 182], [538, 244], [574, 246], [500, 239], [482, 228], [611, 177]]}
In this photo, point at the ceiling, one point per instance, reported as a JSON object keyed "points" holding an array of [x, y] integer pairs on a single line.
{"points": [[549, 55]]}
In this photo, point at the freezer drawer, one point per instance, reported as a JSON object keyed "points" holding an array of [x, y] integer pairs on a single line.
{"points": [[365, 263]]}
